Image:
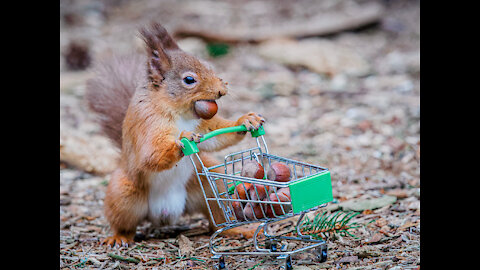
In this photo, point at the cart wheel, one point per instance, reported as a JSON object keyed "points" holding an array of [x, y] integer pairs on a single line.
{"points": [[272, 245], [322, 254], [221, 263], [288, 263]]}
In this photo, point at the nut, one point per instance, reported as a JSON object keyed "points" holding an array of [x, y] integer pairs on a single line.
{"points": [[283, 196], [205, 109], [252, 169], [279, 172], [250, 209]]}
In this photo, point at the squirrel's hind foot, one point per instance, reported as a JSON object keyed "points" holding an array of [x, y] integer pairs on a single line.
{"points": [[118, 241]]}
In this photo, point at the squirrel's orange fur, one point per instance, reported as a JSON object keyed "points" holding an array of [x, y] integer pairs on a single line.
{"points": [[145, 107]]}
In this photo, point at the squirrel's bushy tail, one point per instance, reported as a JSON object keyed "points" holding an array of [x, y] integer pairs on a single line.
{"points": [[110, 91]]}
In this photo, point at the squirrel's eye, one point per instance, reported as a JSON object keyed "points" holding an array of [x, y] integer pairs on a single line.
{"points": [[189, 80]]}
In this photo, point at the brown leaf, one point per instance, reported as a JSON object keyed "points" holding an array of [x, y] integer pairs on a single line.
{"points": [[385, 230], [367, 212], [365, 125], [399, 193], [381, 222], [185, 246], [348, 259], [407, 224], [89, 218], [375, 238], [246, 231]]}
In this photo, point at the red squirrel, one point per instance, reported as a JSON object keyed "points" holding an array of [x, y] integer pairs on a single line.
{"points": [[146, 104]]}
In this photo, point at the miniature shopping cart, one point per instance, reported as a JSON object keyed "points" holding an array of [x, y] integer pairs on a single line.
{"points": [[310, 188]]}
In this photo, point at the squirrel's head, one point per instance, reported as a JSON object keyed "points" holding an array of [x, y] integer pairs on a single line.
{"points": [[181, 77]]}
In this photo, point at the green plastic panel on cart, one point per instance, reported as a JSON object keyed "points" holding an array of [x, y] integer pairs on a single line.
{"points": [[311, 191], [191, 146]]}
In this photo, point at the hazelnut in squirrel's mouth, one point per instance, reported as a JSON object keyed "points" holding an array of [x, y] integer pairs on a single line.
{"points": [[205, 109]]}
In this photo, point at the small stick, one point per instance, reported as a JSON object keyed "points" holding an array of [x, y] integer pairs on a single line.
{"points": [[203, 246], [253, 267], [114, 256]]}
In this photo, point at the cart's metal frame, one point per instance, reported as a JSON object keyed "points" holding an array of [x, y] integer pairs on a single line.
{"points": [[220, 183]]}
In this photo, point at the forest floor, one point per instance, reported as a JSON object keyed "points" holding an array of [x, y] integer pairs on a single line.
{"points": [[347, 100]]}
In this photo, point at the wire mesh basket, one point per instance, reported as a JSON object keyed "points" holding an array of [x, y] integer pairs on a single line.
{"points": [[309, 187]]}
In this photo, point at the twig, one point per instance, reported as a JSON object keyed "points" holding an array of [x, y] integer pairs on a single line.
{"points": [[247, 244], [203, 246], [179, 258], [255, 266], [81, 263], [196, 259], [103, 265], [141, 255], [172, 246], [118, 257]]}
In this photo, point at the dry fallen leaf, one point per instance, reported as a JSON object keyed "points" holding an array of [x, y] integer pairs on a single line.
{"points": [[407, 224], [185, 246], [381, 222], [247, 231], [375, 238], [399, 193], [348, 259], [367, 212]]}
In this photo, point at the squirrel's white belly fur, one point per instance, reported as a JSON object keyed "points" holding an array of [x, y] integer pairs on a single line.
{"points": [[167, 197]]}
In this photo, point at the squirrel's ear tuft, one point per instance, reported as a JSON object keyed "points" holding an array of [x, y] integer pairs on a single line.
{"points": [[157, 42], [157, 35]]}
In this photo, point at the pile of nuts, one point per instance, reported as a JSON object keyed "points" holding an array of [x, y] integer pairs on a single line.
{"points": [[256, 192]]}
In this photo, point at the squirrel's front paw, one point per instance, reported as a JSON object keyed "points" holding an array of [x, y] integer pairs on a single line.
{"points": [[191, 136], [251, 120], [179, 144]]}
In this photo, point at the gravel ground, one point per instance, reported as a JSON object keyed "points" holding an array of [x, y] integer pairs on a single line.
{"points": [[349, 101]]}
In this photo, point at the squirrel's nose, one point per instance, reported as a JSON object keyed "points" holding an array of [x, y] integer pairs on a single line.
{"points": [[222, 92]]}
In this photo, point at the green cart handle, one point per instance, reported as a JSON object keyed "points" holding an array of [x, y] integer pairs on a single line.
{"points": [[191, 146]]}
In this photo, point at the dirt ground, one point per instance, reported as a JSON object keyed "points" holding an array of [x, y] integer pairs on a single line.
{"points": [[345, 97]]}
